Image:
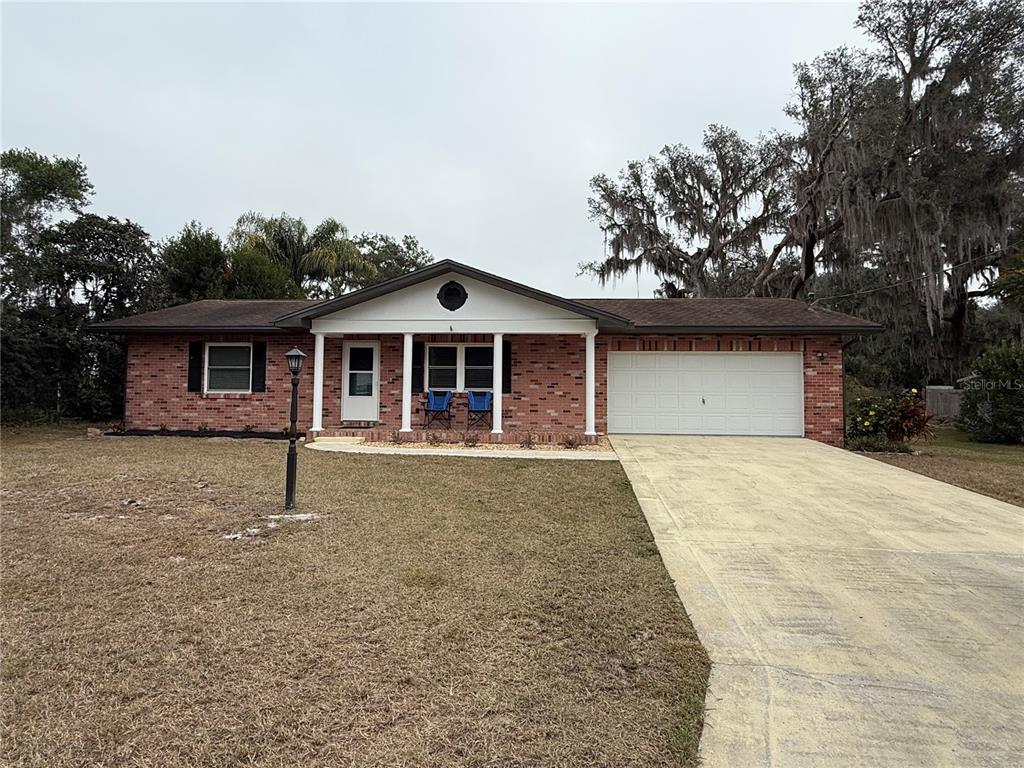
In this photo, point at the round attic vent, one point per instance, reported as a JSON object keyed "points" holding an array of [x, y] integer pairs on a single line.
{"points": [[452, 295]]}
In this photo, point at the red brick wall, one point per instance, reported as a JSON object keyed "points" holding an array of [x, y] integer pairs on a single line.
{"points": [[823, 390], [157, 387], [547, 381]]}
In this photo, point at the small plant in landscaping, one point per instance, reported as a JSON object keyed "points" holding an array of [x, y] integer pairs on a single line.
{"points": [[470, 440], [396, 438], [528, 442], [898, 418], [163, 429], [249, 428], [202, 428], [570, 442], [434, 439]]}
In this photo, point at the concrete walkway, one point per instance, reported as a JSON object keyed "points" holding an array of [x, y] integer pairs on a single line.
{"points": [[336, 445], [856, 614]]}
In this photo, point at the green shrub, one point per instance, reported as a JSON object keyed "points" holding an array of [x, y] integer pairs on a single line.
{"points": [[853, 391], [876, 444], [898, 418], [992, 405]]}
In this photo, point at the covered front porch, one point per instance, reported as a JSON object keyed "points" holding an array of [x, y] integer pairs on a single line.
{"points": [[458, 333], [376, 386]]}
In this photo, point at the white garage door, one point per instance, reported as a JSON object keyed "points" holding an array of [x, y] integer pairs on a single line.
{"points": [[705, 393]]}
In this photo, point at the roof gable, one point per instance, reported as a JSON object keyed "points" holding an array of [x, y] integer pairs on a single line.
{"points": [[438, 273]]}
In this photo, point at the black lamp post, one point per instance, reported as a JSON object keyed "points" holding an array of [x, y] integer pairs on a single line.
{"points": [[295, 358]]}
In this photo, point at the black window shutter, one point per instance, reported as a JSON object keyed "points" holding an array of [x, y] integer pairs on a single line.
{"points": [[195, 366], [417, 367], [506, 366], [259, 366]]}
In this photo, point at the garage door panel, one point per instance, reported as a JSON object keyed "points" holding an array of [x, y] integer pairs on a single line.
{"points": [[620, 382], [645, 401], [669, 402], [663, 381], [705, 393], [762, 425], [738, 403], [715, 424], [645, 422], [619, 402], [714, 402], [689, 382], [713, 381]]}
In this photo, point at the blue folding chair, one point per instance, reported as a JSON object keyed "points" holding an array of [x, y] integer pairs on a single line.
{"points": [[479, 408], [438, 408]]}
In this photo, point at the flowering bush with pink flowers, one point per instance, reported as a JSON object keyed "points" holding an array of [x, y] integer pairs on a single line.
{"points": [[898, 418]]}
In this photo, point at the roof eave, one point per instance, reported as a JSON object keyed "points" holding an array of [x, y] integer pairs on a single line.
{"points": [[105, 328], [761, 330]]}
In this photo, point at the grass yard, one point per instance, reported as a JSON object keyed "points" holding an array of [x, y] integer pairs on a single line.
{"points": [[994, 470], [441, 612]]}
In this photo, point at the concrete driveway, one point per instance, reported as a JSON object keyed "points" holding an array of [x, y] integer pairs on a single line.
{"points": [[856, 614]]}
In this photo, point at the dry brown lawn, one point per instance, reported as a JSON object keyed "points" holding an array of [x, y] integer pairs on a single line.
{"points": [[994, 470], [441, 612]]}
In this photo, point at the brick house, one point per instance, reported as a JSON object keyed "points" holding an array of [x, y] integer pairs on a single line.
{"points": [[553, 366]]}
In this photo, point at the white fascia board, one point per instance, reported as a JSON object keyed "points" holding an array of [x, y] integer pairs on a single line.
{"points": [[337, 325]]}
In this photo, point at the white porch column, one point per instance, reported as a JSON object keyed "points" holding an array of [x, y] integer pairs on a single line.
{"points": [[318, 382], [590, 382], [407, 384], [496, 385]]}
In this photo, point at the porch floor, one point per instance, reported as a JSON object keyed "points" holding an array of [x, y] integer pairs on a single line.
{"points": [[508, 437]]}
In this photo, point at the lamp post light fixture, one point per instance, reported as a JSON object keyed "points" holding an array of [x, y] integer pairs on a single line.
{"points": [[295, 358]]}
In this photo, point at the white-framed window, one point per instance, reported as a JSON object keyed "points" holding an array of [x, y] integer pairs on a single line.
{"points": [[459, 367], [477, 367], [228, 368]]}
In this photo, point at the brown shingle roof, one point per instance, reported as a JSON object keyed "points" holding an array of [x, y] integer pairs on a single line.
{"points": [[748, 314], [744, 315], [211, 315]]}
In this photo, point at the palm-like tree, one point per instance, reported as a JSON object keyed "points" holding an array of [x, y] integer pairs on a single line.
{"points": [[311, 258]]}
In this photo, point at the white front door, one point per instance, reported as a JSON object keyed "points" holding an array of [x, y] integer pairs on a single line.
{"points": [[360, 374], [712, 393]]}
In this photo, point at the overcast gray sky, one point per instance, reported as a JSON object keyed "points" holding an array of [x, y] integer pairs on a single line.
{"points": [[474, 127]]}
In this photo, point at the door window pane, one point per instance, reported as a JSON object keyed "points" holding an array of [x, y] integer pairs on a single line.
{"points": [[360, 358], [360, 384]]}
